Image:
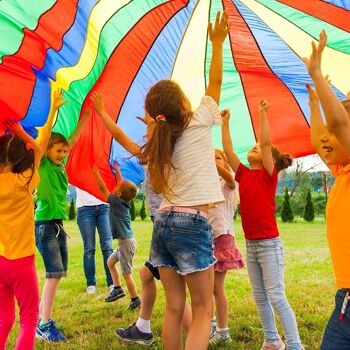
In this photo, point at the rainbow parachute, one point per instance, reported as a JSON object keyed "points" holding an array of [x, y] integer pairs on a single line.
{"points": [[122, 47]]}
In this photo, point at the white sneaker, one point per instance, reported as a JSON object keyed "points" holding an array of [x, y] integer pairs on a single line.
{"points": [[218, 337], [278, 345], [91, 289], [111, 287]]}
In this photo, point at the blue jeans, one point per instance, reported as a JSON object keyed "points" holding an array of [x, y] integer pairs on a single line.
{"points": [[51, 241], [265, 265], [182, 241], [337, 333], [90, 217]]}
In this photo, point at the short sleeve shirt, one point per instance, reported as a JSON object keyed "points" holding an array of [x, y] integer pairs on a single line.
{"points": [[338, 225], [194, 179], [52, 191], [17, 238], [119, 217], [220, 216], [257, 189]]}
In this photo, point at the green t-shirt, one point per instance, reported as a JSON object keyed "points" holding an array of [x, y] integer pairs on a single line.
{"points": [[52, 191]]}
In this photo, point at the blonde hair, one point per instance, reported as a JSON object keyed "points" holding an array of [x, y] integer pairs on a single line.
{"points": [[223, 155], [128, 190]]}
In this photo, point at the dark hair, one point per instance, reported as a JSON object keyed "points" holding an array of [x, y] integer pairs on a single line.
{"points": [[164, 98], [13, 152], [55, 139], [128, 190], [282, 160]]}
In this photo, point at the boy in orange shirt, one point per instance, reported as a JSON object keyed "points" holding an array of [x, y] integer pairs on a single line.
{"points": [[332, 143]]}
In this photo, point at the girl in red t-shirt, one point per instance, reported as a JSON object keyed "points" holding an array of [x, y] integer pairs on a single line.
{"points": [[265, 265]]}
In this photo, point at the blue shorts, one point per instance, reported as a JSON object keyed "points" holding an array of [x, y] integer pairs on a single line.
{"points": [[51, 241], [182, 241]]}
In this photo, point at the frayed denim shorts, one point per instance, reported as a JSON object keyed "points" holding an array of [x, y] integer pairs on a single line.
{"points": [[182, 241]]}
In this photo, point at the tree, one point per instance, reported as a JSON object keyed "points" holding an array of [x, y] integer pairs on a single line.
{"points": [[143, 213], [298, 175], [132, 210], [309, 211], [286, 213], [71, 214]]}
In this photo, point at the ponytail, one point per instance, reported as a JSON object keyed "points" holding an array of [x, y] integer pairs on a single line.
{"points": [[282, 161], [165, 104]]}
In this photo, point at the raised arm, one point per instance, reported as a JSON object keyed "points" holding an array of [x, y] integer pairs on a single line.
{"points": [[118, 173], [226, 175], [317, 127], [337, 118], [101, 184], [117, 133], [77, 131], [46, 130], [16, 128], [217, 36], [265, 138], [232, 158]]}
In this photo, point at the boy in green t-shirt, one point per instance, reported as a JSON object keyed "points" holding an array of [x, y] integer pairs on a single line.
{"points": [[51, 239]]}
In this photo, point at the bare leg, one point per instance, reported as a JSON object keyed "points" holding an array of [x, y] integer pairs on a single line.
{"points": [[148, 293], [130, 284], [175, 294], [47, 298], [111, 262], [201, 287], [220, 299], [186, 318]]}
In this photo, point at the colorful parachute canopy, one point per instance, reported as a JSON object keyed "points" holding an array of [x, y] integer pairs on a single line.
{"points": [[122, 47]]}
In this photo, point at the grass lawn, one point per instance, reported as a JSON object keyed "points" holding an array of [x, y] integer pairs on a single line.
{"points": [[89, 322]]}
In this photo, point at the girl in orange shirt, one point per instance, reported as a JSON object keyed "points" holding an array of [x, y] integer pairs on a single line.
{"points": [[19, 159]]}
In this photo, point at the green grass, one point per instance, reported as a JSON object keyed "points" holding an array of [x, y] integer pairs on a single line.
{"points": [[89, 322]]}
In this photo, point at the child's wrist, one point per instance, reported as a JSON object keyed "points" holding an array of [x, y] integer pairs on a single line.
{"points": [[217, 44]]}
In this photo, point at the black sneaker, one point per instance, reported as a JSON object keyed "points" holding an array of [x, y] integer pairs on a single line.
{"points": [[133, 335], [115, 294], [134, 304]]}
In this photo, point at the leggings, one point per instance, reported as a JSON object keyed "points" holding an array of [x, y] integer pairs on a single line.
{"points": [[18, 280]]}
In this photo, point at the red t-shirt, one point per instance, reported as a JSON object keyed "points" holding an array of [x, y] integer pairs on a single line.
{"points": [[257, 190]]}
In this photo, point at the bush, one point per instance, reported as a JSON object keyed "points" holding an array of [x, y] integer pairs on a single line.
{"points": [[132, 210], [143, 213], [71, 212], [286, 213], [309, 212]]}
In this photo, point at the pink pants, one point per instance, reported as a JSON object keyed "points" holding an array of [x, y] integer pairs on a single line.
{"points": [[18, 280]]}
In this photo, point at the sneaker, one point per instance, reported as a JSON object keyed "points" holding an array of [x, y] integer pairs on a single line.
{"points": [[218, 337], [91, 289], [49, 333], [134, 304], [115, 294], [133, 335], [213, 326], [278, 345]]}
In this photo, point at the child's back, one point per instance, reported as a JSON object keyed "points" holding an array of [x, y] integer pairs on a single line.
{"points": [[18, 280]]}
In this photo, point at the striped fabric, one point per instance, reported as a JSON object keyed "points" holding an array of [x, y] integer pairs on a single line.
{"points": [[195, 180]]}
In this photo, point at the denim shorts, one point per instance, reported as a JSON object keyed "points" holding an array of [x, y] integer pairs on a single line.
{"points": [[51, 241], [337, 333], [182, 241]]}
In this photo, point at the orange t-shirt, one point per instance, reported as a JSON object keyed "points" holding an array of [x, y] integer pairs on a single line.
{"points": [[17, 239], [338, 225]]}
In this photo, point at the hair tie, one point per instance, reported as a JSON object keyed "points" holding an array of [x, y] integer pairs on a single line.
{"points": [[160, 117], [29, 146]]}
